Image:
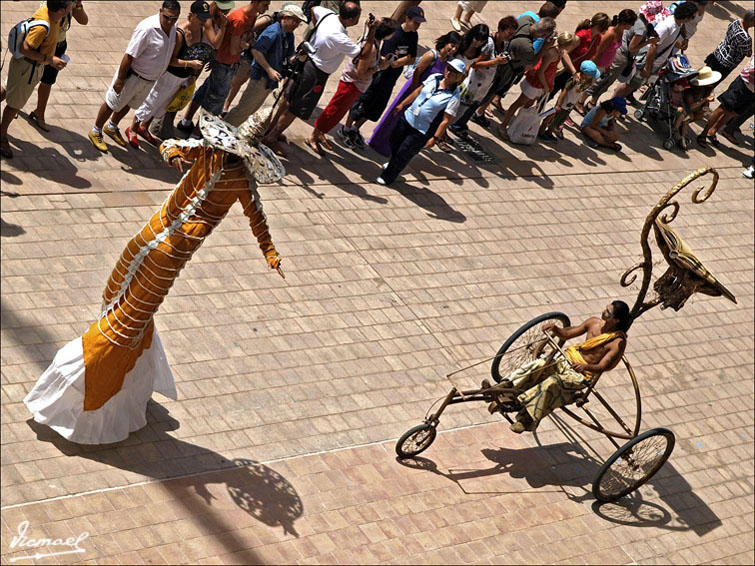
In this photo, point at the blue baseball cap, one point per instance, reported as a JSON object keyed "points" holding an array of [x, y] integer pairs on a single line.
{"points": [[619, 104], [458, 65], [589, 68]]}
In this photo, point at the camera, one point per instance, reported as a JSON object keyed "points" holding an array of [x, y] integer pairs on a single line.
{"points": [[306, 47], [293, 65], [371, 19]]}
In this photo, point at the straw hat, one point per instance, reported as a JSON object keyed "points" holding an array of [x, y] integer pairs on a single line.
{"points": [[706, 76]]}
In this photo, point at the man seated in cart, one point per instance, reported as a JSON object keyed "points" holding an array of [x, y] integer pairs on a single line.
{"points": [[559, 383]]}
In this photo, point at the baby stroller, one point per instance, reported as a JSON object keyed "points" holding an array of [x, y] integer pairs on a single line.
{"points": [[657, 98]]}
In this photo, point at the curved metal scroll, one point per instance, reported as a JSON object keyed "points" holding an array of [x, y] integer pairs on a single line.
{"points": [[661, 210]]}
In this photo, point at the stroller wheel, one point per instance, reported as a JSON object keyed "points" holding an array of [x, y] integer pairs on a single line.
{"points": [[639, 114], [668, 144]]}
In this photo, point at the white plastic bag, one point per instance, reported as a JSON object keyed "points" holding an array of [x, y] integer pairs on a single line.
{"points": [[524, 127]]}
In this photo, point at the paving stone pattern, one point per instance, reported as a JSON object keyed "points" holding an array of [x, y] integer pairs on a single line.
{"points": [[291, 393]]}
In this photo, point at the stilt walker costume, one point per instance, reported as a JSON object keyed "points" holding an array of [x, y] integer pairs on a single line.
{"points": [[97, 387]]}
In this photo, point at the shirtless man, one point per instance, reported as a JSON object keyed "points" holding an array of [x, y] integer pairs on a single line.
{"points": [[558, 384]]}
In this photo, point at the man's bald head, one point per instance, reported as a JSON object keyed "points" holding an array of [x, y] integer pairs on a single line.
{"points": [[349, 13]]}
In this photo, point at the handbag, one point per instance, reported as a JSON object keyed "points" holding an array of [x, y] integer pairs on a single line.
{"points": [[525, 126], [182, 97]]}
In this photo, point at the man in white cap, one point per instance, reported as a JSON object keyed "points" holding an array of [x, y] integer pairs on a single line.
{"points": [[273, 47], [432, 107]]}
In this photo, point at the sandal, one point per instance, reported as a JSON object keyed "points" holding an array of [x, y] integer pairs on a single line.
{"points": [[133, 141], [579, 107], [326, 144], [443, 145], [315, 146], [39, 122], [701, 141], [148, 137], [714, 140], [730, 137], [614, 146]]}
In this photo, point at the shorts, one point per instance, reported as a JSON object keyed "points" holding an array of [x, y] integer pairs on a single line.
{"points": [[244, 69], [213, 92], [20, 87], [134, 91], [737, 98], [50, 74], [304, 94], [530, 91]]}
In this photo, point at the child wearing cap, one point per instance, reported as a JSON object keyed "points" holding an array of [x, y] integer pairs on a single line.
{"points": [[599, 124], [575, 87]]}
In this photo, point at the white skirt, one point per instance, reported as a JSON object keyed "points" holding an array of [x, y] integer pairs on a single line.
{"points": [[57, 399]]}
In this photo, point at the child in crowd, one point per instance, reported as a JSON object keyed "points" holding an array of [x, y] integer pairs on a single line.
{"points": [[553, 127], [539, 80], [599, 125]]}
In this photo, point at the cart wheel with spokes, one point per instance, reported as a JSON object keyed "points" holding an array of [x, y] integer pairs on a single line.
{"points": [[528, 342], [669, 144], [633, 464], [415, 440], [639, 114]]}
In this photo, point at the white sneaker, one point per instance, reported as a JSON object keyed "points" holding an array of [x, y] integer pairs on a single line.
{"points": [[381, 181], [749, 172]]}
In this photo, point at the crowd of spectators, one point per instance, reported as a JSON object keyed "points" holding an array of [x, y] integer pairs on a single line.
{"points": [[463, 78]]}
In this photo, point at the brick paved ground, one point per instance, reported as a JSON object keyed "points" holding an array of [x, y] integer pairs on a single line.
{"points": [[280, 447]]}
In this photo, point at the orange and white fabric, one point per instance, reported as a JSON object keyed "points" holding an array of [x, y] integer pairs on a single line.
{"points": [[97, 387]]}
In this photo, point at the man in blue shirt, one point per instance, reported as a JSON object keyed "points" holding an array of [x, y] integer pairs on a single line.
{"points": [[434, 105], [273, 46]]}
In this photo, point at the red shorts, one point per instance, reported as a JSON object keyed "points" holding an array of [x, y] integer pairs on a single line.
{"points": [[339, 105]]}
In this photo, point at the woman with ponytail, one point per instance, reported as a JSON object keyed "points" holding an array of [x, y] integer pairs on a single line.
{"points": [[589, 33], [609, 45]]}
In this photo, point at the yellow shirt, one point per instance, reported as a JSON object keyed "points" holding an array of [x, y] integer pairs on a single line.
{"points": [[65, 21], [36, 37]]}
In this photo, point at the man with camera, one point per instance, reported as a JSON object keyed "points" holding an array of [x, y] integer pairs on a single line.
{"points": [[273, 47], [328, 45]]}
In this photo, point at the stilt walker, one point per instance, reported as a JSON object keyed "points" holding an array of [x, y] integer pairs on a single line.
{"points": [[97, 387]]}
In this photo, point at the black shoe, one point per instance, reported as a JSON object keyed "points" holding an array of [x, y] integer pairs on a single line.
{"points": [[547, 136], [186, 129], [480, 120], [631, 100], [457, 129]]}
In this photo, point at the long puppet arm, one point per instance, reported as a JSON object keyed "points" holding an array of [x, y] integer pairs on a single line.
{"points": [[252, 204]]}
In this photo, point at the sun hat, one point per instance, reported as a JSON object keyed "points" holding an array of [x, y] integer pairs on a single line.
{"points": [[654, 11], [416, 13], [619, 104], [458, 66], [228, 5], [590, 69], [201, 10], [291, 9], [706, 76]]}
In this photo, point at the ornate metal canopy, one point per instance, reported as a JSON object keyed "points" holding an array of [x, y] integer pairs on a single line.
{"points": [[686, 274]]}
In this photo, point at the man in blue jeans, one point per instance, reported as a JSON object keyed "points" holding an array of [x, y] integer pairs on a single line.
{"points": [[434, 105], [212, 94]]}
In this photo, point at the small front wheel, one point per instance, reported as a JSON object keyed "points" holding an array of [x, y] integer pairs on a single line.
{"points": [[639, 114], [415, 440], [668, 144], [633, 464]]}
